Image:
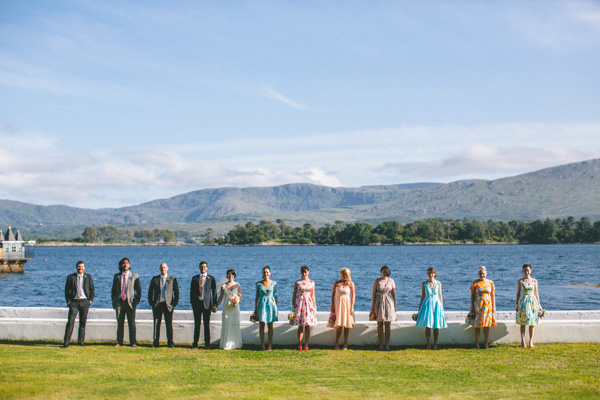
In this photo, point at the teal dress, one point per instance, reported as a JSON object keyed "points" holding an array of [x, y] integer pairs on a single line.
{"points": [[266, 308], [431, 313]]}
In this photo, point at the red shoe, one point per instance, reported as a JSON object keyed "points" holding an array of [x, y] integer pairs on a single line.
{"points": [[305, 348], [299, 348]]}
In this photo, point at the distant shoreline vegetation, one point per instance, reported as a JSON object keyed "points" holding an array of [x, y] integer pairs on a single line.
{"points": [[430, 231]]}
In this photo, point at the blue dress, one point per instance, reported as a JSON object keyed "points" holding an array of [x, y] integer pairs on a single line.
{"points": [[266, 309], [431, 314]]}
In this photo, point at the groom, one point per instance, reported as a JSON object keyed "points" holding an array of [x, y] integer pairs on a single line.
{"points": [[203, 296]]}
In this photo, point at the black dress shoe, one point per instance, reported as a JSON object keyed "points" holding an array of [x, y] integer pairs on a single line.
{"points": [[171, 346], [194, 345], [155, 346], [81, 345], [64, 346], [207, 347]]}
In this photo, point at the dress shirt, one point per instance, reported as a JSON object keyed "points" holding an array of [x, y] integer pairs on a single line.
{"points": [[79, 284]]}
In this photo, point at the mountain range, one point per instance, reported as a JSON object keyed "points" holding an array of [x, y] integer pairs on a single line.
{"points": [[558, 192]]}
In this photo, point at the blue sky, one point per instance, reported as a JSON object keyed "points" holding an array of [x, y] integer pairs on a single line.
{"points": [[107, 104]]}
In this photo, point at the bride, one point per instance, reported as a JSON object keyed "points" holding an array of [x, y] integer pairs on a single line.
{"points": [[231, 335]]}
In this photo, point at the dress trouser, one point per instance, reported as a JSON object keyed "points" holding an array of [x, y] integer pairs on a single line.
{"points": [[123, 309], [75, 307], [157, 313], [201, 313]]}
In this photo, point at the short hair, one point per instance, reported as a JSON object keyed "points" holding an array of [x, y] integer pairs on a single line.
{"points": [[527, 266], [203, 262], [267, 267], [79, 262], [304, 268], [122, 262], [346, 271], [431, 269], [385, 270], [231, 271], [482, 268]]}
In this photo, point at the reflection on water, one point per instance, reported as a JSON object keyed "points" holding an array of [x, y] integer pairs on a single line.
{"points": [[567, 274]]}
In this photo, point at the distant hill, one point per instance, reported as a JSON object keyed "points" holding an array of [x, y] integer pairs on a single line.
{"points": [[567, 190]]}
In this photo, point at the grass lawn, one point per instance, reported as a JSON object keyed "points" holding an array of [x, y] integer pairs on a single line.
{"points": [[43, 370]]}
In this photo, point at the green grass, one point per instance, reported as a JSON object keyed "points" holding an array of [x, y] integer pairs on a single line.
{"points": [[43, 370]]}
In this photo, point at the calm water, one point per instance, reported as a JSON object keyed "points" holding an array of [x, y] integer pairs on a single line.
{"points": [[557, 268]]}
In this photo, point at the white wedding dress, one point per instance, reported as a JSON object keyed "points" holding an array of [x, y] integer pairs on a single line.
{"points": [[231, 335]]}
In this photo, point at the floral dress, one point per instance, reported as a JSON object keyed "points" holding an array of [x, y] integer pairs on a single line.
{"points": [[384, 306], [528, 308], [306, 310], [484, 317], [266, 308]]}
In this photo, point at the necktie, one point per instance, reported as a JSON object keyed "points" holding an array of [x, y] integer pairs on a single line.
{"points": [[163, 287], [123, 287], [201, 286]]}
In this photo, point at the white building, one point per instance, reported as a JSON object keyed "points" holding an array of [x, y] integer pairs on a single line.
{"points": [[14, 251]]}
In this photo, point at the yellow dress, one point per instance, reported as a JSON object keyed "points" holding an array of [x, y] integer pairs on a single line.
{"points": [[484, 317]]}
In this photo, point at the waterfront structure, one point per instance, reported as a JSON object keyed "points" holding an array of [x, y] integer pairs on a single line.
{"points": [[14, 251]]}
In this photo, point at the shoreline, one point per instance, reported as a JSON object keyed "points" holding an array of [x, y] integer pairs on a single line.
{"points": [[273, 244]]}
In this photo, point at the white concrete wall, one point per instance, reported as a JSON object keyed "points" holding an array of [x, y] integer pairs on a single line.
{"points": [[40, 323]]}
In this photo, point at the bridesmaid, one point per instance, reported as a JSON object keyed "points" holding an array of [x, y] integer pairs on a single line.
{"points": [[527, 304], [304, 305], [265, 306], [431, 308], [483, 304], [383, 305], [342, 307]]}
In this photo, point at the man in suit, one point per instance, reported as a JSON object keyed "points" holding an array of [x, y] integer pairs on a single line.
{"points": [[79, 293], [126, 293], [163, 296], [203, 296]]}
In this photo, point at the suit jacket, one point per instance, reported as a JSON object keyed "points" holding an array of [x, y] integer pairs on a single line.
{"points": [[71, 287], [134, 290], [210, 292], [171, 292]]}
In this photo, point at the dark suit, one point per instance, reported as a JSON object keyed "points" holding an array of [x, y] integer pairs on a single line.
{"points": [[202, 308], [76, 306], [171, 298], [126, 307]]}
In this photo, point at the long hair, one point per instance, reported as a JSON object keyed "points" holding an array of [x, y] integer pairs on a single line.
{"points": [[345, 275]]}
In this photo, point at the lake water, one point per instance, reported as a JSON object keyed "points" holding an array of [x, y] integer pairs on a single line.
{"points": [[559, 270]]}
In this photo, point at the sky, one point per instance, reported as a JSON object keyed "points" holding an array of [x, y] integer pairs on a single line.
{"points": [[114, 103]]}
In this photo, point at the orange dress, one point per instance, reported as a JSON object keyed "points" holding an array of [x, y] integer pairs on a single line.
{"points": [[342, 306], [484, 317]]}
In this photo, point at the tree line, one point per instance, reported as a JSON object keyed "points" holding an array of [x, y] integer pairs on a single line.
{"points": [[110, 234], [434, 230]]}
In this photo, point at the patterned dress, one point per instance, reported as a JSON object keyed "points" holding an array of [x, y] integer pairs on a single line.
{"points": [[306, 310], [484, 317], [431, 313], [266, 308], [384, 306], [528, 308]]}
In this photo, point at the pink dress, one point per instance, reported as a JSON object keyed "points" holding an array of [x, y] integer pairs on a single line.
{"points": [[306, 310], [342, 307]]}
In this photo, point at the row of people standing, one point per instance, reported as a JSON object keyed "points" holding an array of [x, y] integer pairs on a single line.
{"points": [[163, 296]]}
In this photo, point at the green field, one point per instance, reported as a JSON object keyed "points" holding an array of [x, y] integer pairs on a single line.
{"points": [[43, 370]]}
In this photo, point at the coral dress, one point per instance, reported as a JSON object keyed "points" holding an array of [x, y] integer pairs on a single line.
{"points": [[431, 313], [384, 306], [342, 307], [306, 310], [484, 317], [266, 308], [528, 307]]}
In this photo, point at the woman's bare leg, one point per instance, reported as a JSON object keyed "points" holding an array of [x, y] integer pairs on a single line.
{"points": [[436, 334], [380, 334], [477, 333], [387, 335], [427, 336], [261, 334]]}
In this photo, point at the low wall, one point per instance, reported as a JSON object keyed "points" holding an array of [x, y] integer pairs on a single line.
{"points": [[42, 323]]}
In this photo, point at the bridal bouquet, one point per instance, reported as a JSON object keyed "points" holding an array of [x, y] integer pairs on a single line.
{"points": [[234, 300], [291, 317], [415, 316], [542, 313], [372, 316], [470, 317]]}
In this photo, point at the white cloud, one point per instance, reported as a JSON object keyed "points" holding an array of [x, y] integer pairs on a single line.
{"points": [[281, 98], [480, 161]]}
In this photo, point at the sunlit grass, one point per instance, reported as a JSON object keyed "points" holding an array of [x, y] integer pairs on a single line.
{"points": [[43, 370]]}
